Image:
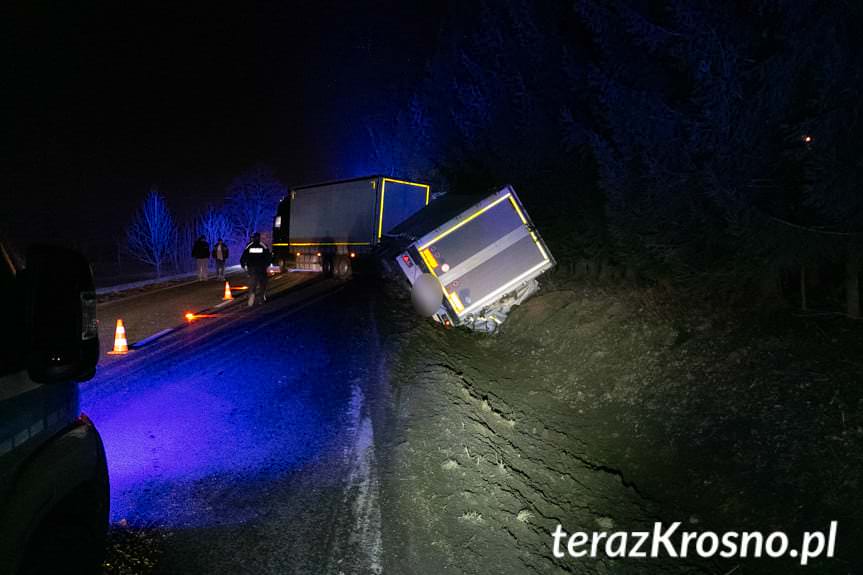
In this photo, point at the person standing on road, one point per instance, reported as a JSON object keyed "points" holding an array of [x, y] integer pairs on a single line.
{"points": [[255, 260], [201, 253], [220, 256]]}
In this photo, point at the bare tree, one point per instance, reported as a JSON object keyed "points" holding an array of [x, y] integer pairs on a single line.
{"points": [[214, 224], [151, 236], [181, 253], [252, 200]]}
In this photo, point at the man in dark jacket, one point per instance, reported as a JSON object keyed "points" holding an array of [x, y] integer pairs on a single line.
{"points": [[256, 259], [220, 256], [201, 253]]}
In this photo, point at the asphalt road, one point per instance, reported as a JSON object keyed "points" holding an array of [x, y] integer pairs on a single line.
{"points": [[150, 310], [244, 440]]}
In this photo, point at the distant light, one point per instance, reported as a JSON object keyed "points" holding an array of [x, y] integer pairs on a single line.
{"points": [[807, 139], [318, 254], [353, 254], [298, 254]]}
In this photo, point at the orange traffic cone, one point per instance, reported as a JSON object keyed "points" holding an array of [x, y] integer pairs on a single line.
{"points": [[228, 294], [120, 345]]}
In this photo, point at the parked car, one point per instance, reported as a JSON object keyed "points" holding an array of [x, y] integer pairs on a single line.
{"points": [[54, 495]]}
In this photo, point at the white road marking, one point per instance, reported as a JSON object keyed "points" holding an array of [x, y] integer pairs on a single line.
{"points": [[362, 478]]}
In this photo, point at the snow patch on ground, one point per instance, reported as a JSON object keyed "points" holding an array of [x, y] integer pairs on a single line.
{"points": [[363, 482]]}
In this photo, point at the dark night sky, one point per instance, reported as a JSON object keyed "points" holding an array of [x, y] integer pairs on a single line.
{"points": [[108, 101]]}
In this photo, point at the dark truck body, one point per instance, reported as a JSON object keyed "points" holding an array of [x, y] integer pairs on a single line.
{"points": [[343, 219], [484, 253]]}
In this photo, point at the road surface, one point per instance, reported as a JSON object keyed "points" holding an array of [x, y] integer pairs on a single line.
{"points": [[152, 309], [244, 440]]}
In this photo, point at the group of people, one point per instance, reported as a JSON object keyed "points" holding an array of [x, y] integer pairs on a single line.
{"points": [[255, 260], [202, 254]]}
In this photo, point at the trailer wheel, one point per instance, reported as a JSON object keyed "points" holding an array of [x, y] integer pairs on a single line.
{"points": [[342, 267]]}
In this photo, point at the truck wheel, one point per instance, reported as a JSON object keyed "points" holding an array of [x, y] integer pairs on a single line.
{"points": [[343, 267]]}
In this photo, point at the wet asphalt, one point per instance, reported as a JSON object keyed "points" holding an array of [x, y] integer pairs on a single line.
{"points": [[238, 439]]}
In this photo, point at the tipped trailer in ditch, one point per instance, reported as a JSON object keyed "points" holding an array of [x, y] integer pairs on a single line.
{"points": [[324, 227], [469, 260]]}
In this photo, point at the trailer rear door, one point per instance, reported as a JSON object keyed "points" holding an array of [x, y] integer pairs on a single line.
{"points": [[341, 212], [484, 253]]}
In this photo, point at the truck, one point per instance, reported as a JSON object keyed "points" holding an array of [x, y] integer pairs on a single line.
{"points": [[53, 475], [325, 227], [469, 259]]}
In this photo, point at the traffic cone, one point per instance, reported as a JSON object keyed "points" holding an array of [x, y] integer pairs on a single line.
{"points": [[228, 295], [120, 345]]}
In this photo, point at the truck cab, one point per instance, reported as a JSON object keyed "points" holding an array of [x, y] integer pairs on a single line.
{"points": [[53, 476]]}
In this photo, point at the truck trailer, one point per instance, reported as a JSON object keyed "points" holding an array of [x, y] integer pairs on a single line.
{"points": [[324, 227], [469, 261]]}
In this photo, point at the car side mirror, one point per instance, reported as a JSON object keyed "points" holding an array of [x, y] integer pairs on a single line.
{"points": [[62, 342]]}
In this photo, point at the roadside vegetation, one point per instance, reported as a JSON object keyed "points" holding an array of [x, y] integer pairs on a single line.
{"points": [[694, 169], [606, 406], [157, 241], [701, 145]]}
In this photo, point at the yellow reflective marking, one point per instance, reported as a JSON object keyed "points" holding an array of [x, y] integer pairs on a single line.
{"points": [[518, 210], [465, 221], [395, 181], [442, 287], [456, 302], [429, 259], [539, 245], [381, 216], [383, 191]]}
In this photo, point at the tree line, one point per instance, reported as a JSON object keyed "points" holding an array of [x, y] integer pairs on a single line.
{"points": [[155, 238], [710, 145]]}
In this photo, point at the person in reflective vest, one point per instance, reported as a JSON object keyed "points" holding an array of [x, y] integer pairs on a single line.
{"points": [[255, 260]]}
